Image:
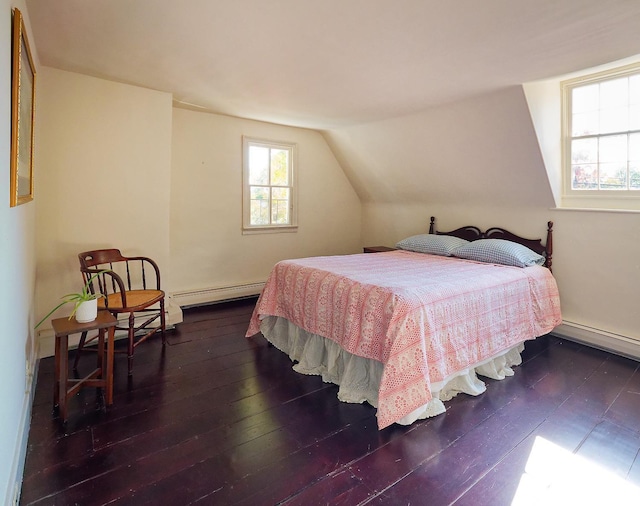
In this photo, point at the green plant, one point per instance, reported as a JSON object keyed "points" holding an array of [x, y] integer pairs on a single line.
{"points": [[77, 298]]}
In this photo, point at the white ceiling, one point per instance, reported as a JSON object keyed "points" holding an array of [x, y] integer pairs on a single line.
{"points": [[330, 63]]}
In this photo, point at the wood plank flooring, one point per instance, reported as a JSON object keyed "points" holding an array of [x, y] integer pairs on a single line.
{"points": [[217, 419]]}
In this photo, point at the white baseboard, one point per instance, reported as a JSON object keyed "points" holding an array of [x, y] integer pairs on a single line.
{"points": [[601, 339], [202, 296]]}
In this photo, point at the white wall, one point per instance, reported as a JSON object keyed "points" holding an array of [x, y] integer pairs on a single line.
{"points": [[104, 181], [208, 250], [17, 275]]}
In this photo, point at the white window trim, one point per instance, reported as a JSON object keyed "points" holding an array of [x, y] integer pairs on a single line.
{"points": [[247, 228], [602, 199]]}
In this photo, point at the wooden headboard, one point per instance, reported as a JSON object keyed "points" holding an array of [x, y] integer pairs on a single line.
{"points": [[471, 233]]}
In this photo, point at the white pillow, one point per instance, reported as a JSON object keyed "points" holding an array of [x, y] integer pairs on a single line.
{"points": [[431, 243]]}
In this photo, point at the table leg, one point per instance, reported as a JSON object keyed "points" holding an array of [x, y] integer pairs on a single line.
{"points": [[100, 354], [100, 363], [109, 371], [63, 375], [56, 385]]}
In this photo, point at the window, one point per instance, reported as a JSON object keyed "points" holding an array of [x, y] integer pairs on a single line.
{"points": [[601, 127], [269, 191]]}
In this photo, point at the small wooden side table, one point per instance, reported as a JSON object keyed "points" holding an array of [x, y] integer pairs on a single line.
{"points": [[377, 249], [100, 377]]}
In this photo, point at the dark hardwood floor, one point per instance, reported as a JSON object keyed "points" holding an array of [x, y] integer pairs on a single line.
{"points": [[219, 419]]}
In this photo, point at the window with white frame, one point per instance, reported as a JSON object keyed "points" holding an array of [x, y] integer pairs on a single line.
{"points": [[269, 186], [601, 131]]}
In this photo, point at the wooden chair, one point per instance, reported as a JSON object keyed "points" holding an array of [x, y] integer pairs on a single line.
{"points": [[130, 286]]}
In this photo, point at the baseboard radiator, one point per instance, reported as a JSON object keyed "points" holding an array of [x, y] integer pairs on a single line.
{"points": [[199, 297], [597, 338]]}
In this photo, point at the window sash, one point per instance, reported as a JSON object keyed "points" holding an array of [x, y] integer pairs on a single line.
{"points": [[269, 189], [588, 167]]}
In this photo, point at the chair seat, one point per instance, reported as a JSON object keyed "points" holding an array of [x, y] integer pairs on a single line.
{"points": [[136, 299]]}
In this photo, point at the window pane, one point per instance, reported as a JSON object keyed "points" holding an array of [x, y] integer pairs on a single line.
{"points": [[258, 165], [634, 161], [280, 206], [584, 151], [613, 149], [584, 177], [585, 123], [613, 176], [634, 175], [259, 206], [279, 167], [614, 120], [614, 105], [259, 212], [634, 117], [259, 193], [634, 147], [614, 94], [634, 90], [280, 194], [585, 98]]}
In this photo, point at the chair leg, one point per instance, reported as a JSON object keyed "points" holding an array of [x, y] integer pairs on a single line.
{"points": [[130, 344], [83, 338], [162, 323]]}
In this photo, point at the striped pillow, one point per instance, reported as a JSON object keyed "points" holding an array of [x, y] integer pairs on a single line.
{"points": [[499, 251]]}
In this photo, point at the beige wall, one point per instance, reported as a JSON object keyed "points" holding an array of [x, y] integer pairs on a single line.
{"points": [[167, 183], [208, 249], [104, 155], [472, 153], [595, 262]]}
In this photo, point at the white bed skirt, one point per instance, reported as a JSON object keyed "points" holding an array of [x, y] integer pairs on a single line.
{"points": [[358, 378]]}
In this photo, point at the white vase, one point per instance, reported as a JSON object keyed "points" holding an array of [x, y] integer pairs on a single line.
{"points": [[87, 311]]}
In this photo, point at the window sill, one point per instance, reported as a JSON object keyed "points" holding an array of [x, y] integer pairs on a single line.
{"points": [[596, 210], [620, 203], [270, 230]]}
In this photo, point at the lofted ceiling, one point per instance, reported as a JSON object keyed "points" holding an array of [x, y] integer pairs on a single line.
{"points": [[330, 63]]}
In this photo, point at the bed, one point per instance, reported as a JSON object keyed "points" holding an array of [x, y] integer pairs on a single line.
{"points": [[408, 329]]}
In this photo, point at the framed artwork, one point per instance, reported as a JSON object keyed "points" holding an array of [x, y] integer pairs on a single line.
{"points": [[23, 94]]}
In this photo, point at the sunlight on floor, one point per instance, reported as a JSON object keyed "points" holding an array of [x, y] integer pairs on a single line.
{"points": [[555, 476]]}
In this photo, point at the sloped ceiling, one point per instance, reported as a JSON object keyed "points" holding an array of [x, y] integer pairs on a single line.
{"points": [[330, 63]]}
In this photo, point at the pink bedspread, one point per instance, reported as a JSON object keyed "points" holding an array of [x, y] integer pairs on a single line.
{"points": [[423, 316]]}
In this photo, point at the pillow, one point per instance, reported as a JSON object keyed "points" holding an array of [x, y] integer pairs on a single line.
{"points": [[499, 251], [431, 243]]}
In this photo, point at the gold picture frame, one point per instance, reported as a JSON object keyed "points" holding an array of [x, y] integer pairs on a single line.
{"points": [[23, 95]]}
